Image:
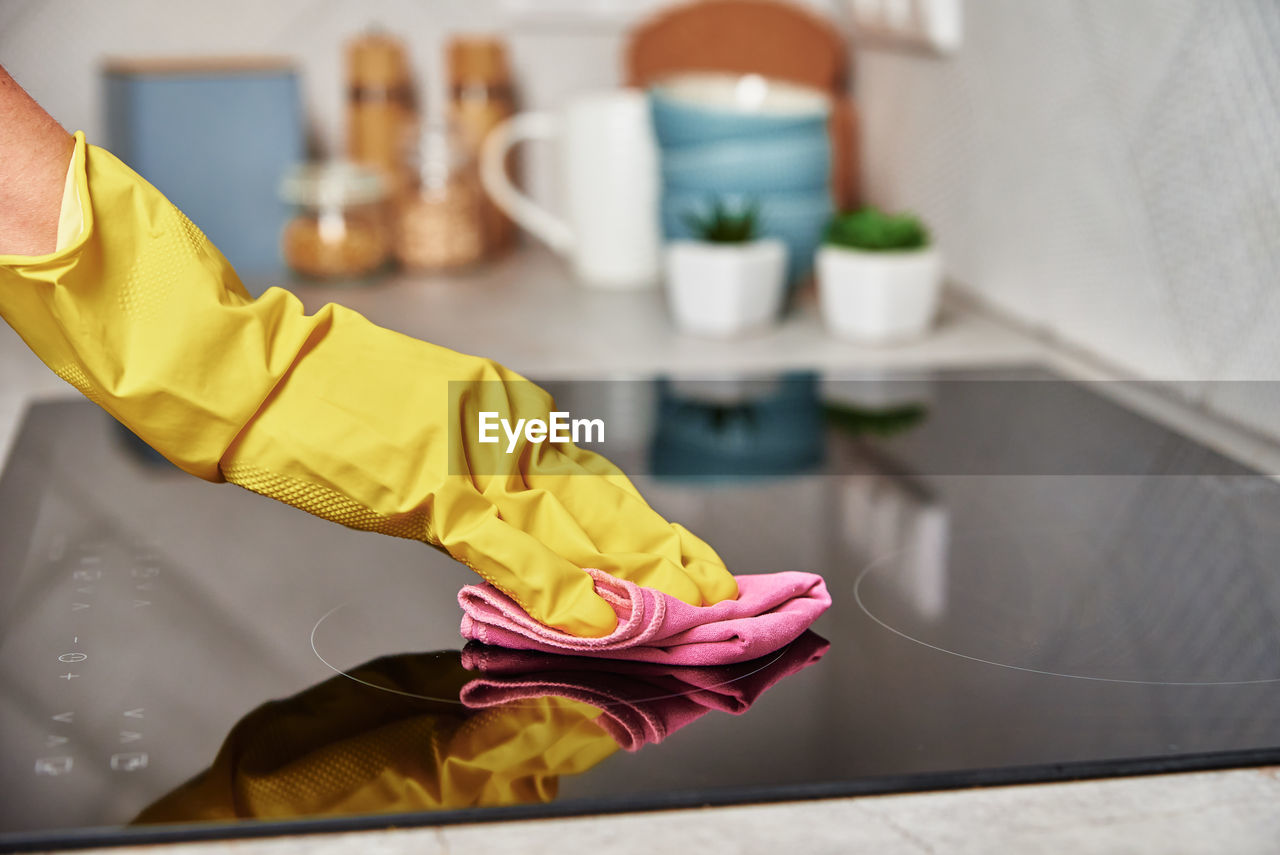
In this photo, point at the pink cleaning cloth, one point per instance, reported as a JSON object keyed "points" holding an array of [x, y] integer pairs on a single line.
{"points": [[771, 610], [642, 703]]}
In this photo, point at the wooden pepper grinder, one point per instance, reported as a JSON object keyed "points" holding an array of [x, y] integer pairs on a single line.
{"points": [[481, 97], [381, 111]]}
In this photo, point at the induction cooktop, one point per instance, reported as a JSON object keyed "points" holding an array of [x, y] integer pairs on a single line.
{"points": [[1030, 583]]}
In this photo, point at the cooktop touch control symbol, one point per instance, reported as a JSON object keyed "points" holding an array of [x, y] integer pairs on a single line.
{"points": [[132, 761], [130, 736], [54, 766], [72, 657]]}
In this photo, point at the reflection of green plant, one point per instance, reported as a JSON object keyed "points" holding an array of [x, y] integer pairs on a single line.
{"points": [[873, 230], [723, 225], [857, 421]]}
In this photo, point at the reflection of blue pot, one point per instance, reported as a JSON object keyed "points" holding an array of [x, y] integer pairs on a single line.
{"points": [[679, 123], [780, 433], [797, 219]]}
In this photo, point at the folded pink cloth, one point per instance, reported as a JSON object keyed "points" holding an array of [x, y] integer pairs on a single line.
{"points": [[771, 610], [643, 703]]}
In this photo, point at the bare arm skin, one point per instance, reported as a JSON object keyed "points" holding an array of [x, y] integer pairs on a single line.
{"points": [[34, 153]]}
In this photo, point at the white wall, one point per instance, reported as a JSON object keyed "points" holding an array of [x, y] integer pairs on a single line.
{"points": [[1107, 171]]}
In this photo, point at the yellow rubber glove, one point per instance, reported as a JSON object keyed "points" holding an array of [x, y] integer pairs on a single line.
{"points": [[341, 748], [330, 413]]}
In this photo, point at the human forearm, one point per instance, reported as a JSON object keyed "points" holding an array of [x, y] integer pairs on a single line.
{"points": [[34, 153]]}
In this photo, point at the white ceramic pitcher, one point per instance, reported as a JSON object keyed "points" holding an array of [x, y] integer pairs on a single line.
{"points": [[609, 167]]}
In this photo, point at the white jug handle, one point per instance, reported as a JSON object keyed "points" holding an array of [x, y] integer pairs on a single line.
{"points": [[493, 174]]}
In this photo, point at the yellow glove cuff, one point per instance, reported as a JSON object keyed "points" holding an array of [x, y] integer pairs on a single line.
{"points": [[138, 310]]}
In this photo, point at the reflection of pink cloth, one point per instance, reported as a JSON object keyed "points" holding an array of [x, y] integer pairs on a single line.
{"points": [[642, 703], [771, 610]]}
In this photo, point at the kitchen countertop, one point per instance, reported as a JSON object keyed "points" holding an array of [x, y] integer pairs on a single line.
{"points": [[527, 314]]}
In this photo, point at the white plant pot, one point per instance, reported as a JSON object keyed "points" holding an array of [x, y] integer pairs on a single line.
{"points": [[878, 297], [725, 289]]}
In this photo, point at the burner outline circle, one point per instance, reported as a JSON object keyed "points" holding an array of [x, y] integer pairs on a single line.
{"points": [[857, 596]]}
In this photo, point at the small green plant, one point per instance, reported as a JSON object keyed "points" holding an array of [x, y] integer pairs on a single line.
{"points": [[724, 225], [873, 230]]}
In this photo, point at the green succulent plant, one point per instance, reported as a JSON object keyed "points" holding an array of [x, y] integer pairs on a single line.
{"points": [[722, 224], [873, 230]]}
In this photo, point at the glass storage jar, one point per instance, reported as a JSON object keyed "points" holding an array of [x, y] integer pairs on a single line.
{"points": [[438, 221], [340, 228]]}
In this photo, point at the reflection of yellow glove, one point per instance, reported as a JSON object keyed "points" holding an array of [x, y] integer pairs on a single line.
{"points": [[329, 412], [341, 748]]}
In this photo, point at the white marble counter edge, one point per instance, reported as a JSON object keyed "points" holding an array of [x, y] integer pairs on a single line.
{"points": [[1234, 811]]}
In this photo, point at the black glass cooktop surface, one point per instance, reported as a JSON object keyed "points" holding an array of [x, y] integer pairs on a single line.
{"points": [[1030, 582]]}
